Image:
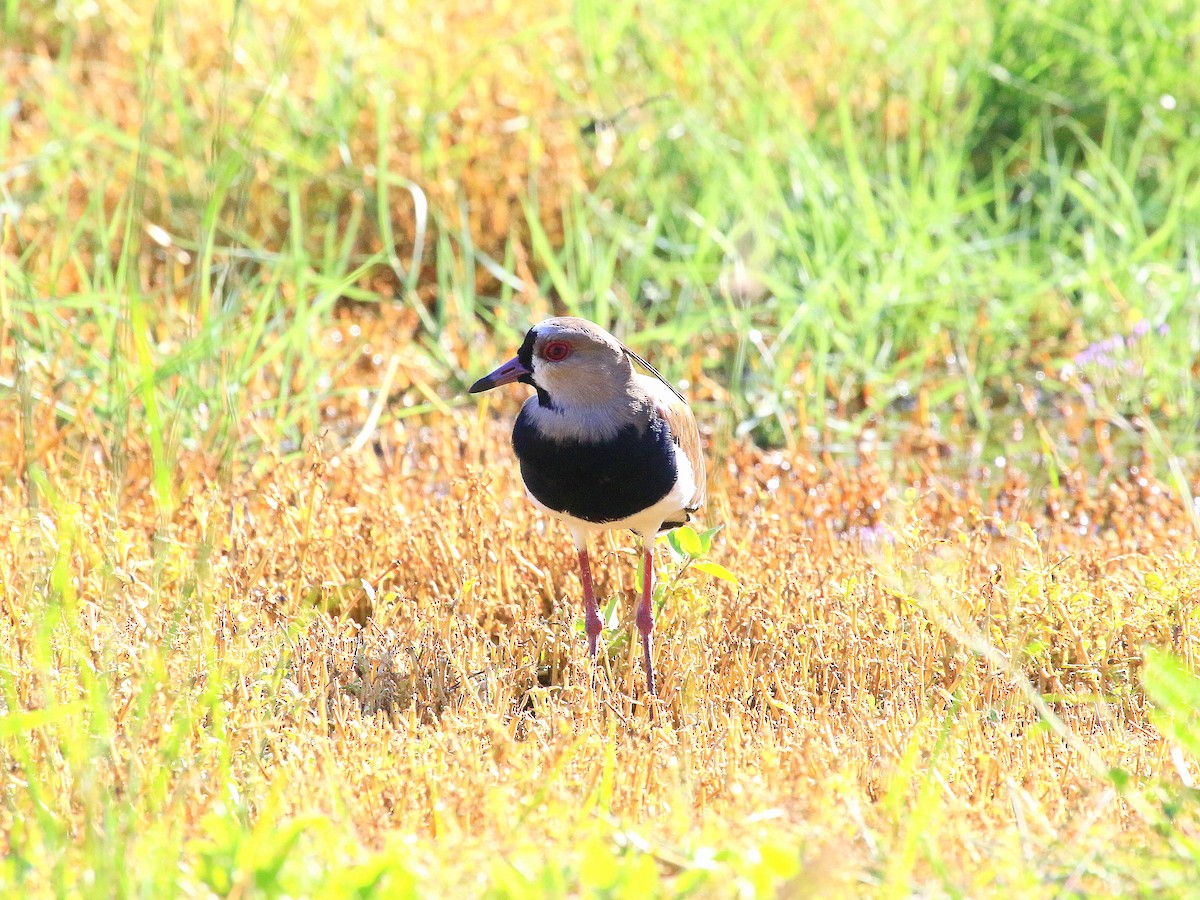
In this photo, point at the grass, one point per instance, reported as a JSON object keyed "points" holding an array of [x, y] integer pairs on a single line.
{"points": [[275, 620]]}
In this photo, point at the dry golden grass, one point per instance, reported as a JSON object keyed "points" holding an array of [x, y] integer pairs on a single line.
{"points": [[883, 651]]}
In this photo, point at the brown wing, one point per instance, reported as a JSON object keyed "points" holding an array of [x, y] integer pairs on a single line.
{"points": [[673, 409], [678, 416]]}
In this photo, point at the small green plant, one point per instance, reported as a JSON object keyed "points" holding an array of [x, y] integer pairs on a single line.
{"points": [[1175, 693], [689, 552], [690, 549], [1174, 807]]}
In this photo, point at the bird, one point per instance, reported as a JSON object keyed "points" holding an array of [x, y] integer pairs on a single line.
{"points": [[604, 443]]}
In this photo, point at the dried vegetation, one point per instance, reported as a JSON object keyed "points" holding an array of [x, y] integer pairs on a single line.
{"points": [[389, 640]]}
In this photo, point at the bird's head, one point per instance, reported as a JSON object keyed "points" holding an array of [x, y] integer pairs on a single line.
{"points": [[570, 362]]}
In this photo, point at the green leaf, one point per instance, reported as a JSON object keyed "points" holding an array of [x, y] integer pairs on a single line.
{"points": [[689, 541], [598, 866], [707, 535], [612, 615], [1175, 692], [677, 553], [716, 570], [1120, 779], [22, 722], [640, 877]]}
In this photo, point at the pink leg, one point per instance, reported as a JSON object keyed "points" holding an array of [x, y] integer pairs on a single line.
{"points": [[591, 611], [645, 613]]}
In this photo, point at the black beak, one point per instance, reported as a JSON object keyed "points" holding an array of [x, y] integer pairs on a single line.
{"points": [[513, 370]]}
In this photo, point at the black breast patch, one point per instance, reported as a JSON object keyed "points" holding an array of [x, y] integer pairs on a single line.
{"points": [[597, 482]]}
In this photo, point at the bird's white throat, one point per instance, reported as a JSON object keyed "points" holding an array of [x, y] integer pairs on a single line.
{"points": [[582, 424]]}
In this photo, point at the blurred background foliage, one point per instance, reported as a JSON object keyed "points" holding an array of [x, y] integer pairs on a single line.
{"points": [[823, 217]]}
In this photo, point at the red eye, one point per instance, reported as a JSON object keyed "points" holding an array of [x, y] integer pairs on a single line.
{"points": [[556, 351]]}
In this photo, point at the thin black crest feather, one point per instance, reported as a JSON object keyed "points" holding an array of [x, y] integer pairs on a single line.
{"points": [[650, 370]]}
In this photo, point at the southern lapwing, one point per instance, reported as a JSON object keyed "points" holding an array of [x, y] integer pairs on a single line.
{"points": [[603, 446]]}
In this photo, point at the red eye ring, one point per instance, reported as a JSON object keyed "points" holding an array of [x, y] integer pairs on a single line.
{"points": [[556, 351]]}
